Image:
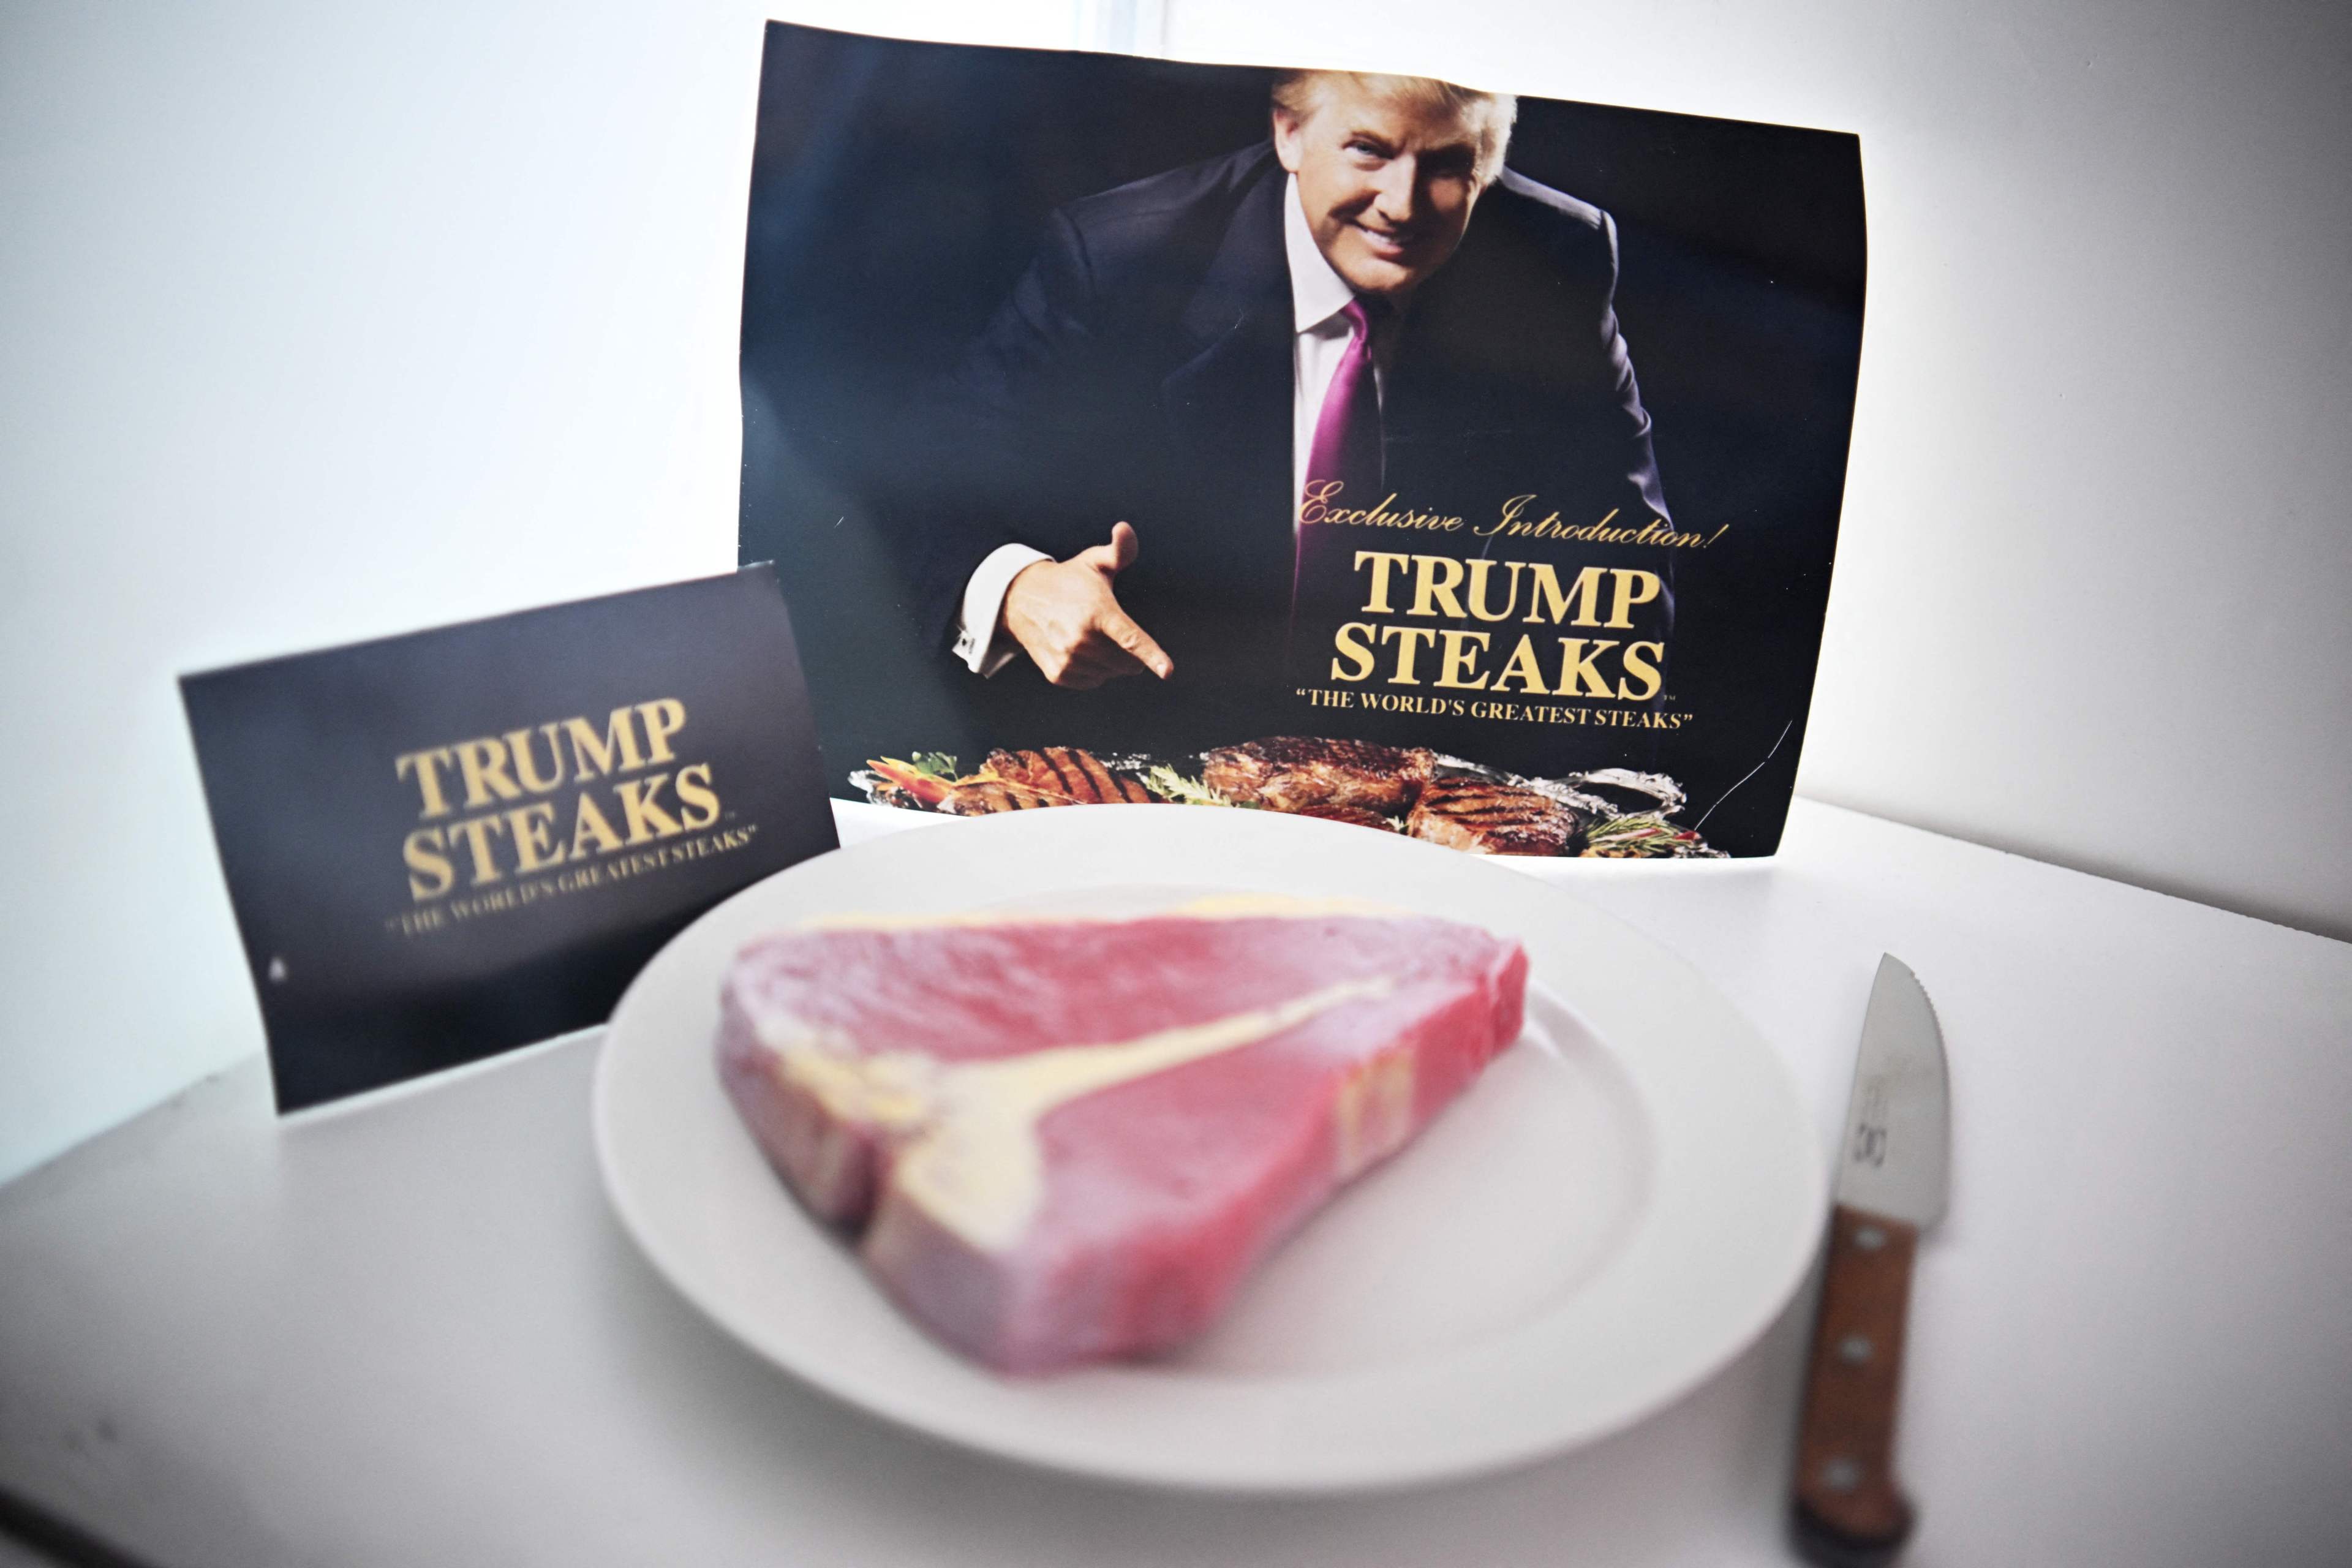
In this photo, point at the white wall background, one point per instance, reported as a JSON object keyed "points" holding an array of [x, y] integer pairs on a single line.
{"points": [[324, 321]]}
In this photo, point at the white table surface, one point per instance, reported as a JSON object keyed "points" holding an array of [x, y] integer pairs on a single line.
{"points": [[410, 1330]]}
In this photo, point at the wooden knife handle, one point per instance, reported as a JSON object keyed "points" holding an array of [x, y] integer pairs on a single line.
{"points": [[1849, 1513]]}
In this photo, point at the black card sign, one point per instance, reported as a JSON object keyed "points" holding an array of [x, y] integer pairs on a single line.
{"points": [[443, 845]]}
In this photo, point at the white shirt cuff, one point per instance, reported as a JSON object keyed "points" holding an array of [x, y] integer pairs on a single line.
{"points": [[983, 602]]}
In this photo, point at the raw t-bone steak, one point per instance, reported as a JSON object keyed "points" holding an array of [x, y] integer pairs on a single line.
{"points": [[1064, 1139]]}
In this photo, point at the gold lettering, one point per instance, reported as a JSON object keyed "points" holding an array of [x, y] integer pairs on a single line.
{"points": [[592, 824], [591, 756], [646, 819], [526, 766], [484, 765], [476, 832], [1578, 678], [1480, 570], [1428, 589], [422, 851], [664, 718], [1383, 562], [428, 779], [1523, 664], [1409, 641], [1621, 608], [1642, 670], [1544, 598], [694, 790], [527, 826], [1349, 640], [1508, 522], [1458, 659]]}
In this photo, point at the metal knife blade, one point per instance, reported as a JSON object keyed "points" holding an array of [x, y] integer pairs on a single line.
{"points": [[1897, 1157], [1848, 1511]]}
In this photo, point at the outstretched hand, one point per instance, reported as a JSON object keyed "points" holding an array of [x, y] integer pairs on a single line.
{"points": [[1065, 615]]}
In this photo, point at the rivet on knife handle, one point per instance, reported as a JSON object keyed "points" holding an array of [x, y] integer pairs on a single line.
{"points": [[1849, 1511]]}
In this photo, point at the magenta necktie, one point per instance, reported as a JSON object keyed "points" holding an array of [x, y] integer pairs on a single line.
{"points": [[1348, 450], [1348, 429]]}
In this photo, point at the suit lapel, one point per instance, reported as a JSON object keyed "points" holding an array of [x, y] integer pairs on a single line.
{"points": [[1228, 405]]}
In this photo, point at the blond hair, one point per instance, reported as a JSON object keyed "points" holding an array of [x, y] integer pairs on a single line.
{"points": [[1489, 114]]}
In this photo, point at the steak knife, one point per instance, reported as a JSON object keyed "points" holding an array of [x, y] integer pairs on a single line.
{"points": [[1848, 1510]]}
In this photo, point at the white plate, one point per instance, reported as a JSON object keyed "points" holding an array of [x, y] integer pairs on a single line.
{"points": [[1616, 1209]]}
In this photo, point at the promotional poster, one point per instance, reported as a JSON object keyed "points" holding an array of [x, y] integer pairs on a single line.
{"points": [[1403, 452], [442, 845]]}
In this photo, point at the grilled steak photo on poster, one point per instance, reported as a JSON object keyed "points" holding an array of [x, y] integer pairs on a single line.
{"points": [[1142, 409], [1604, 814]]}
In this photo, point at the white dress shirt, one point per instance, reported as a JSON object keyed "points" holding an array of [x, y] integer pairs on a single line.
{"points": [[1318, 340], [1318, 295]]}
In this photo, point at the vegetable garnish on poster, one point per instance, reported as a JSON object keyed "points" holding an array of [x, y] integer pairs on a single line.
{"points": [[1396, 451]]}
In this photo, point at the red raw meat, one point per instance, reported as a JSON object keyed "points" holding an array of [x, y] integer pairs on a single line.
{"points": [[1063, 1141]]}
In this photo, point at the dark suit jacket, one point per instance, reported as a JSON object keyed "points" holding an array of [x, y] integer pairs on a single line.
{"points": [[1141, 369]]}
